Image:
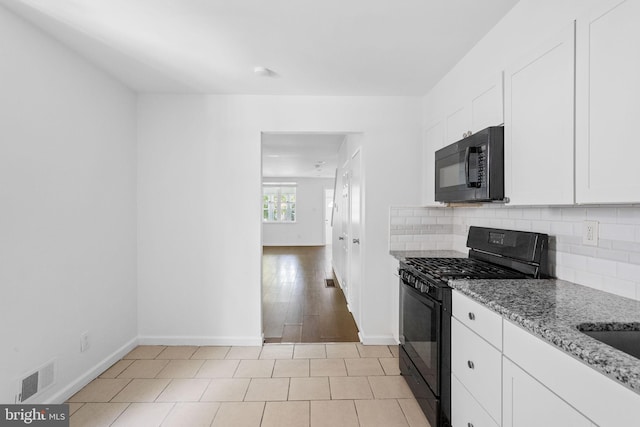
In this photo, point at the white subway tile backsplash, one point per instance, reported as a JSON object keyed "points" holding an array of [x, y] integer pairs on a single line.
{"points": [[605, 244], [602, 267], [565, 273], [428, 220], [444, 220], [573, 214], [629, 215], [562, 228], [589, 251], [621, 232], [515, 213], [508, 224], [626, 246], [628, 271], [541, 226], [624, 288], [438, 211], [577, 262], [413, 246], [551, 214], [614, 265], [531, 213], [523, 225], [612, 255], [602, 214], [413, 220]]}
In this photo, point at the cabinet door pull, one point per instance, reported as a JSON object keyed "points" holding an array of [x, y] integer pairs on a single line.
{"points": [[472, 316], [470, 364]]}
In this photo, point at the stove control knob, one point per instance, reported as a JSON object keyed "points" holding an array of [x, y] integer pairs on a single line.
{"points": [[424, 288], [472, 316]]}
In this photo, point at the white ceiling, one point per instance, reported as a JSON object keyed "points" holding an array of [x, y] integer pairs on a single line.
{"points": [[316, 47], [300, 155]]}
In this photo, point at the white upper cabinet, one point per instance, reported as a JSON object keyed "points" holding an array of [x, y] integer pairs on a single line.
{"points": [[487, 105], [433, 141], [608, 104], [458, 124], [539, 124], [480, 108]]}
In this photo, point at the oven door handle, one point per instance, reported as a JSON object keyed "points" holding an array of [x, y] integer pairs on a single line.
{"points": [[423, 298]]}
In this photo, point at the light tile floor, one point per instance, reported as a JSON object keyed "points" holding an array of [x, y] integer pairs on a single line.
{"points": [[283, 385]]}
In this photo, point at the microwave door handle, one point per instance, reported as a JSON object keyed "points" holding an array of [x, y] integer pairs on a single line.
{"points": [[467, 155]]}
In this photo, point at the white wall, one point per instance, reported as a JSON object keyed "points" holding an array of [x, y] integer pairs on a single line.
{"points": [[199, 264], [308, 230], [67, 213]]}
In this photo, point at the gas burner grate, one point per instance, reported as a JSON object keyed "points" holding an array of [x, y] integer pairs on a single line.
{"points": [[443, 268]]}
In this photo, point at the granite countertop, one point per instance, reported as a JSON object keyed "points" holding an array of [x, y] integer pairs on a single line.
{"points": [[402, 255], [552, 309]]}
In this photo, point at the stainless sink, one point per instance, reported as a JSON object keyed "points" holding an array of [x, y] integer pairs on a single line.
{"points": [[623, 337]]}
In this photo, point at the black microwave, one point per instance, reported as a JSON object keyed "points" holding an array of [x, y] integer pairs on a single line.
{"points": [[472, 169]]}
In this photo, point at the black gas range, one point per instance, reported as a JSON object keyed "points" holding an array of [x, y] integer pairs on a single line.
{"points": [[425, 306]]}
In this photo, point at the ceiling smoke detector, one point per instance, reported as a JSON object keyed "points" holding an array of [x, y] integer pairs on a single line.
{"points": [[263, 72]]}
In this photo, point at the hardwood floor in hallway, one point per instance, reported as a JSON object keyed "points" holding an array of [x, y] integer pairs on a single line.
{"points": [[297, 305]]}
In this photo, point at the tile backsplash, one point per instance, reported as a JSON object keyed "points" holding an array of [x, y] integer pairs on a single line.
{"points": [[613, 265], [421, 229]]}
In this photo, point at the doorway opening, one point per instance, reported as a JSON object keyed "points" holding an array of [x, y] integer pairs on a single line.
{"points": [[299, 228]]}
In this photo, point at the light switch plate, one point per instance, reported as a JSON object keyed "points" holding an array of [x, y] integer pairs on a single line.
{"points": [[590, 233]]}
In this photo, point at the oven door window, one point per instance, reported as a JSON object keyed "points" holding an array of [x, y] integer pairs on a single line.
{"points": [[421, 318]]}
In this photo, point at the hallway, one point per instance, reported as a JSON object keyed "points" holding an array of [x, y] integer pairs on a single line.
{"points": [[297, 305]]}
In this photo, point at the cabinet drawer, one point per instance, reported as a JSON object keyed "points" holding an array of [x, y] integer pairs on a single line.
{"points": [[465, 410], [478, 366], [478, 318]]}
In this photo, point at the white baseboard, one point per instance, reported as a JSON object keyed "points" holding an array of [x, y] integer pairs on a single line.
{"points": [[71, 389], [338, 277], [377, 339], [199, 340]]}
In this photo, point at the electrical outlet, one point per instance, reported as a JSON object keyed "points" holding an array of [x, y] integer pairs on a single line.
{"points": [[84, 342], [590, 233]]}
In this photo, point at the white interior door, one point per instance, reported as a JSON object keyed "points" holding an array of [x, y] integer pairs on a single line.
{"points": [[355, 274], [344, 236], [328, 210]]}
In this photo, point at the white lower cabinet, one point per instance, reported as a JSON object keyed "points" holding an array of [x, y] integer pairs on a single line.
{"points": [[477, 364], [526, 381], [528, 403], [467, 412], [599, 398]]}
